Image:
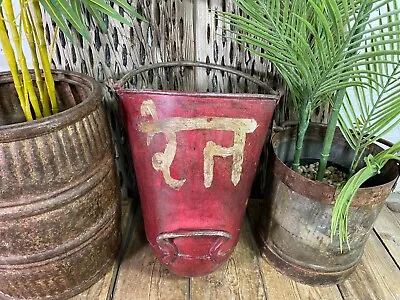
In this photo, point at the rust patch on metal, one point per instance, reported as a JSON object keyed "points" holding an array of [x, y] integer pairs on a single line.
{"points": [[59, 204], [294, 234]]}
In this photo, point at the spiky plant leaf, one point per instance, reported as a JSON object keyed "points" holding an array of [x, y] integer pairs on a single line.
{"points": [[373, 165], [62, 11], [313, 44], [104, 7], [369, 113], [76, 5], [129, 9], [98, 16], [56, 16]]}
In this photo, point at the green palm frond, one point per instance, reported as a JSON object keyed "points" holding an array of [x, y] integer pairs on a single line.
{"points": [[104, 7], [374, 163], [367, 114], [96, 15], [76, 5], [63, 11], [57, 17], [319, 47], [314, 44], [370, 113], [129, 9]]}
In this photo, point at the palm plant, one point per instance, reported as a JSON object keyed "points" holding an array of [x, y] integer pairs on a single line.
{"points": [[323, 48], [366, 116], [41, 102]]}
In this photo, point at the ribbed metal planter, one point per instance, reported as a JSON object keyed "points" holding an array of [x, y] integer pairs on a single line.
{"points": [[59, 203], [294, 231]]}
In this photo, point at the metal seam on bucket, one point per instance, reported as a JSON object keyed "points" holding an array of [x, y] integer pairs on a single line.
{"points": [[58, 253]]}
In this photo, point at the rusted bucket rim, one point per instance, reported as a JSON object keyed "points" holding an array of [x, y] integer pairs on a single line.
{"points": [[318, 190], [18, 131]]}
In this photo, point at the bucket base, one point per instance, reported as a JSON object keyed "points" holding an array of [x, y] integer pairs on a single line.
{"points": [[299, 273]]}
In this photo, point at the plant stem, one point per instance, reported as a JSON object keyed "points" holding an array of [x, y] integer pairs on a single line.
{"points": [[330, 133], [44, 56], [53, 41], [12, 63], [26, 76], [35, 61], [339, 97], [356, 161], [304, 121]]}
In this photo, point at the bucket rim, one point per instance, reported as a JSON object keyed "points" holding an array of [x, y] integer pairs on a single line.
{"points": [[326, 193], [38, 127], [243, 96]]}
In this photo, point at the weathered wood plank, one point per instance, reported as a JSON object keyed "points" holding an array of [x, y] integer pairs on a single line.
{"points": [[98, 291], [141, 276], [387, 226], [239, 278], [376, 277]]}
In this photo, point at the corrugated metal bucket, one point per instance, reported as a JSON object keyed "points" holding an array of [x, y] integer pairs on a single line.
{"points": [[59, 195], [195, 156], [294, 231]]}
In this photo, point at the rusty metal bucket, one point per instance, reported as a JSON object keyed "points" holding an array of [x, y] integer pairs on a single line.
{"points": [[59, 204], [294, 231], [195, 156]]}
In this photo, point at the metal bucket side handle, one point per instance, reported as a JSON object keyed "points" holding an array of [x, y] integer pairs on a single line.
{"points": [[171, 252]]}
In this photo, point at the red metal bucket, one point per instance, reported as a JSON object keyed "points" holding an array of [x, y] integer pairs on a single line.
{"points": [[195, 156]]}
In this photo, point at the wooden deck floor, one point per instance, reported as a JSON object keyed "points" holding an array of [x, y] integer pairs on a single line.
{"points": [[246, 275]]}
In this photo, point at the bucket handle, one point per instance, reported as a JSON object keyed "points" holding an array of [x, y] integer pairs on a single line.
{"points": [[171, 252], [199, 64]]}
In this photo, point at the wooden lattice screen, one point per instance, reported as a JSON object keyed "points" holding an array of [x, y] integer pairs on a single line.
{"points": [[176, 30]]}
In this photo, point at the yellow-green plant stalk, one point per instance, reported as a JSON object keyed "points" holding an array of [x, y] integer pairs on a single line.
{"points": [[38, 24], [27, 106], [28, 28], [65, 14], [53, 42], [26, 77], [12, 62]]}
